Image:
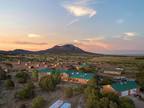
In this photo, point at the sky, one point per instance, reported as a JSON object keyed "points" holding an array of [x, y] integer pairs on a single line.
{"points": [[93, 25]]}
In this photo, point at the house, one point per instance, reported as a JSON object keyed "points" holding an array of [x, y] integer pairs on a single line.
{"points": [[122, 88], [120, 78], [113, 71], [67, 75]]}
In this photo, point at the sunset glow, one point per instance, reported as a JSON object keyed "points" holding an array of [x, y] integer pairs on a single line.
{"points": [[94, 25]]}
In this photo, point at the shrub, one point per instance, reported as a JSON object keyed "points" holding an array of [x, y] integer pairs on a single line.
{"points": [[127, 103], [78, 90], [30, 85], [38, 102], [68, 92], [9, 84], [56, 78], [93, 83], [2, 74], [22, 77], [48, 83], [35, 75], [26, 93], [22, 106]]}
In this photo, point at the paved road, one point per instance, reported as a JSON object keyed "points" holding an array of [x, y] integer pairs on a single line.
{"points": [[138, 103]]}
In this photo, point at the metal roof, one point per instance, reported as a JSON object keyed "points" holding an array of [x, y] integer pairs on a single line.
{"points": [[123, 86], [66, 105], [57, 104], [71, 73]]}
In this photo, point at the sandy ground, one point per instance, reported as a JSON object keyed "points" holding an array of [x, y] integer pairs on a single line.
{"points": [[8, 100], [138, 103]]}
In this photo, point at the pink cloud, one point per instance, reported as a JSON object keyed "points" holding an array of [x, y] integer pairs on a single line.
{"points": [[91, 44], [99, 44]]}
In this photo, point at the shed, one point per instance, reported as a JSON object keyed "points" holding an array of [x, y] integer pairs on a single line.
{"points": [[66, 105], [57, 104]]}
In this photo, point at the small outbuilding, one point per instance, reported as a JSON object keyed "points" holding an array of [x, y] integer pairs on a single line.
{"points": [[60, 104], [66, 105], [57, 104]]}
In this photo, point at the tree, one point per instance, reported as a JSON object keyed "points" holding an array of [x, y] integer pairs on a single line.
{"points": [[9, 84], [127, 103], [113, 105], [140, 78], [48, 83], [26, 93], [56, 78], [93, 83], [78, 89], [35, 75], [68, 92], [140, 75], [38, 102], [104, 102], [113, 97], [30, 85], [106, 81], [92, 97], [92, 103], [2, 74], [87, 69], [22, 77], [90, 91]]}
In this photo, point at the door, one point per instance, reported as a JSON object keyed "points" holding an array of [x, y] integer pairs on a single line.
{"points": [[133, 91]]}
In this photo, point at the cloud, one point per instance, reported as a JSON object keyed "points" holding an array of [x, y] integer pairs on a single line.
{"points": [[78, 10], [72, 22], [30, 43], [129, 35], [120, 21], [33, 36], [94, 42], [100, 38], [83, 2]]}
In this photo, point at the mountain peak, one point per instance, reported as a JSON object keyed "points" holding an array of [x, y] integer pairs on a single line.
{"points": [[65, 45], [57, 49], [67, 48]]}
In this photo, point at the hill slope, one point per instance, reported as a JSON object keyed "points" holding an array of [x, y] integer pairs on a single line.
{"points": [[68, 48], [63, 49]]}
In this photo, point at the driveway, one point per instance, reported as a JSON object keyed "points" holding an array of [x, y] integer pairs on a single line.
{"points": [[138, 103]]}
